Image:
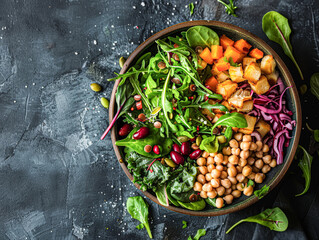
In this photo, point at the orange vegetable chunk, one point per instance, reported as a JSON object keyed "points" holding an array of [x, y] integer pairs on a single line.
{"points": [[217, 51], [242, 45], [212, 83], [233, 53], [207, 56], [221, 65], [225, 41], [256, 53]]}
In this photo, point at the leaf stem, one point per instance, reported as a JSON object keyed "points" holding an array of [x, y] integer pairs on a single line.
{"points": [[232, 227]]}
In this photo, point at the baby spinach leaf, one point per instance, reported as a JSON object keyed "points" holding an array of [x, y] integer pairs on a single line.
{"points": [[230, 8], [184, 224], [209, 144], [314, 84], [210, 107], [262, 192], [162, 195], [275, 219], [170, 198], [138, 209], [195, 206], [277, 29], [201, 36], [305, 164], [211, 201], [191, 8], [234, 119]]}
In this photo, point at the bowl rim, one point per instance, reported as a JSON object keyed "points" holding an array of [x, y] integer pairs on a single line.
{"points": [[284, 73]]}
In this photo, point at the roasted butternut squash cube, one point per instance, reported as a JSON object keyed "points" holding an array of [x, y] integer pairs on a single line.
{"points": [[226, 89], [261, 87], [236, 74], [252, 72], [268, 64], [247, 106], [222, 77], [251, 121], [273, 77], [262, 127], [248, 60], [237, 99], [214, 70]]}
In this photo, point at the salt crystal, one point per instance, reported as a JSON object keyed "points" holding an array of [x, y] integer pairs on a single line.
{"points": [[94, 42], [143, 4], [76, 53]]}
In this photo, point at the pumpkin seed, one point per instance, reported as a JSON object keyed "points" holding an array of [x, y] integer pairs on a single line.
{"points": [[105, 102], [199, 140], [170, 115], [122, 61], [183, 139], [96, 87], [170, 162]]}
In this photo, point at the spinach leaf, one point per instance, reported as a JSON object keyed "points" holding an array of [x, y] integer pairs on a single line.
{"points": [[201, 36], [314, 84], [230, 8], [211, 201], [209, 144], [262, 192], [234, 119], [209, 106], [191, 8], [138, 209], [152, 139], [184, 224], [162, 195], [277, 29], [305, 165], [200, 233], [170, 198], [195, 206], [275, 219]]}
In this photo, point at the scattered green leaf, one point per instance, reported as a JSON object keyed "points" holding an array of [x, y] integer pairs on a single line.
{"points": [[200, 233], [250, 183], [230, 7], [314, 84], [305, 164], [315, 132], [191, 8], [184, 224], [140, 226], [262, 192]]}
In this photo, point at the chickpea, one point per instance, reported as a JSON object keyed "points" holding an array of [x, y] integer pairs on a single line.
{"points": [[229, 164], [215, 173], [203, 194], [255, 170], [228, 191], [233, 143], [233, 159], [201, 161], [242, 162], [240, 177], [247, 138], [233, 187], [223, 175], [245, 180], [212, 194], [259, 178], [213, 154], [219, 202], [251, 161], [265, 148], [253, 146], [233, 180], [207, 187], [252, 176], [240, 186], [245, 145], [210, 167], [236, 193], [248, 191], [226, 183], [273, 163], [208, 177], [219, 158], [238, 136], [220, 191], [226, 151], [247, 170], [259, 164], [210, 160], [267, 159], [215, 182], [239, 169], [232, 171], [244, 154], [266, 168], [205, 154], [203, 170], [235, 151], [201, 178], [228, 198], [225, 160], [220, 167], [259, 145], [259, 154], [198, 187]]}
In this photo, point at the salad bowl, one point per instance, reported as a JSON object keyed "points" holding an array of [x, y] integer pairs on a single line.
{"points": [[293, 103]]}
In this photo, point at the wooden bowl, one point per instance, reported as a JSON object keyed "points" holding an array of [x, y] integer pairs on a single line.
{"points": [[234, 32]]}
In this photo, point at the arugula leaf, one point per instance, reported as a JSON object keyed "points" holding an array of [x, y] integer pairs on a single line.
{"points": [[231, 62], [234, 119], [250, 183], [138, 209], [191, 8], [209, 106], [200, 233], [262, 192], [277, 29], [230, 7], [314, 84], [275, 219], [184, 224], [305, 165]]}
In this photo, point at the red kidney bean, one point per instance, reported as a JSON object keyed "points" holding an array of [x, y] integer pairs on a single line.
{"points": [[176, 148], [143, 132], [125, 130], [177, 157], [186, 148], [196, 154], [156, 149]]}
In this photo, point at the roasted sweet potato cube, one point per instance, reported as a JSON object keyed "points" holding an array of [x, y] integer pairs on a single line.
{"points": [[261, 87], [248, 60], [226, 89], [262, 127], [252, 72], [268, 64], [251, 121], [273, 77], [214, 70], [236, 74], [247, 106]]}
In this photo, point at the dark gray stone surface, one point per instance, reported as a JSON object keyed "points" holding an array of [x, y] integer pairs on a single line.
{"points": [[57, 179]]}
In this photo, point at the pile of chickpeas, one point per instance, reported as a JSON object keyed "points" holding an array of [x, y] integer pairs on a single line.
{"points": [[225, 175]]}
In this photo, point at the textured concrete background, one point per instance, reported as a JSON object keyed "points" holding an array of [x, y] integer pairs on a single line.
{"points": [[57, 179]]}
